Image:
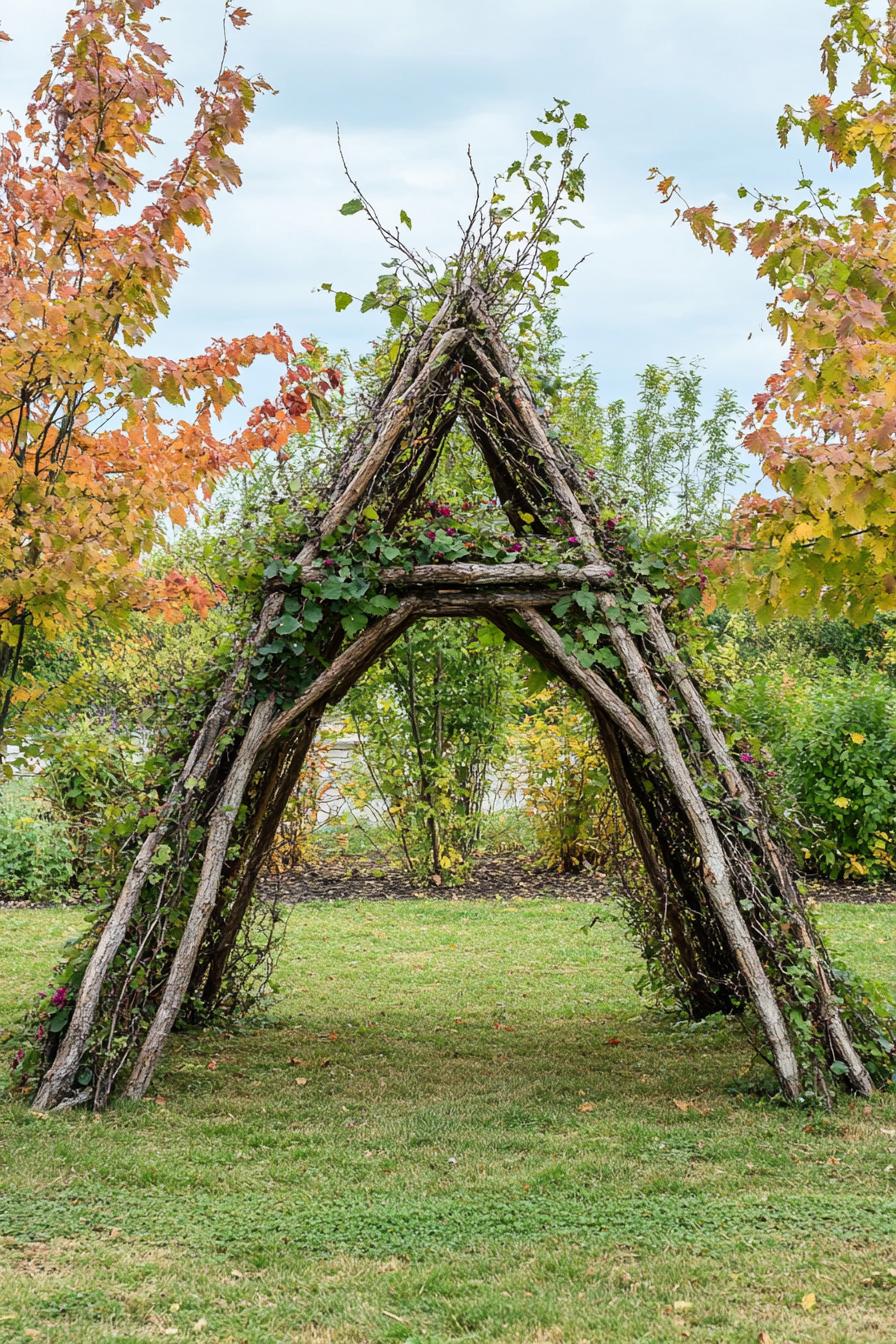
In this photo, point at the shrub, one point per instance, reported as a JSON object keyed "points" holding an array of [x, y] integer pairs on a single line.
{"points": [[293, 845], [832, 736], [88, 770], [36, 853], [432, 720], [569, 795]]}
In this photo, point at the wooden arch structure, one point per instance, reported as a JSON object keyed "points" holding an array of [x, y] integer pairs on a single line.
{"points": [[722, 913]]}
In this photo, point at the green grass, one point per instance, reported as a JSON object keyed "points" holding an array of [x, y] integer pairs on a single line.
{"points": [[436, 1176]]}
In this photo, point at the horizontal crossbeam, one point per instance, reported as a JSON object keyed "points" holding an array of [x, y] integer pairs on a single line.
{"points": [[471, 575]]}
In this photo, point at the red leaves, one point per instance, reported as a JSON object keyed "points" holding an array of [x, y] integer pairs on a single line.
{"points": [[239, 17]]}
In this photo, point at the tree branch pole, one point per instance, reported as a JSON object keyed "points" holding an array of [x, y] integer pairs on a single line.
{"points": [[739, 790], [60, 1076], [181, 972], [605, 699], [716, 877]]}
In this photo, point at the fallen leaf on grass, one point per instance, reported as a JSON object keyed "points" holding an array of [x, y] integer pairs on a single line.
{"points": [[613, 1040], [587, 1106], [764, 1337], [212, 1064], [300, 1082], [807, 1302], [199, 1325]]}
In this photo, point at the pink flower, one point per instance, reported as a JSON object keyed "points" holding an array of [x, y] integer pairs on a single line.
{"points": [[610, 523], [328, 563], [572, 541], [515, 548], [444, 511], [59, 996], [746, 758], [430, 535], [451, 531]]}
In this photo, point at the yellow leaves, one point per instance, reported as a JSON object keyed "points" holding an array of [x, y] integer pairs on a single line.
{"points": [[808, 1302], [858, 738], [842, 802]]}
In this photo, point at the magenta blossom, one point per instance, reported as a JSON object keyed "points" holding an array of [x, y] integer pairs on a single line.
{"points": [[444, 511], [515, 548], [430, 535], [451, 531], [328, 563], [572, 541], [60, 996], [746, 758]]}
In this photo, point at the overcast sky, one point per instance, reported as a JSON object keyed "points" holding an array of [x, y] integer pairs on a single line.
{"points": [[694, 86]]}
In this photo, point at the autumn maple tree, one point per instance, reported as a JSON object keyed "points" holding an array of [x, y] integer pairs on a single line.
{"points": [[824, 425], [97, 438]]}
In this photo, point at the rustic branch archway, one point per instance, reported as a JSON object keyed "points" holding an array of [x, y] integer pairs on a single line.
{"points": [[725, 917]]}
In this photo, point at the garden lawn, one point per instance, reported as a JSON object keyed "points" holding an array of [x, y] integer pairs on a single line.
{"points": [[460, 1123]]}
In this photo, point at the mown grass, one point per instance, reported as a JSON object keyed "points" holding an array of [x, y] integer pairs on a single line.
{"points": [[494, 1140]]}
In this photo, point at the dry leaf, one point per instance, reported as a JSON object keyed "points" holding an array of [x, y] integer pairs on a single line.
{"points": [[764, 1337], [587, 1106], [300, 1082], [613, 1040], [212, 1064], [201, 1324], [807, 1302], [682, 1306], [682, 1105]]}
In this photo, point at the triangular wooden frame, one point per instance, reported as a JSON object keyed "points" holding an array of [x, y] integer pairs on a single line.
{"points": [[725, 913]]}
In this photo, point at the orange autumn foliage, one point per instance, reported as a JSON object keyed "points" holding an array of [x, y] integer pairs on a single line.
{"points": [[98, 439], [824, 428]]}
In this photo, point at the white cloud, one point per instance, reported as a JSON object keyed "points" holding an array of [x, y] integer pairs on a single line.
{"points": [[694, 85]]}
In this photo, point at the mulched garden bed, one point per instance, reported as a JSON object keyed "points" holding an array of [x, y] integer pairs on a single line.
{"points": [[497, 878]]}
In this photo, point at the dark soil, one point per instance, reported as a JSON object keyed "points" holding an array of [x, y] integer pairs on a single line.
{"points": [[496, 878]]}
